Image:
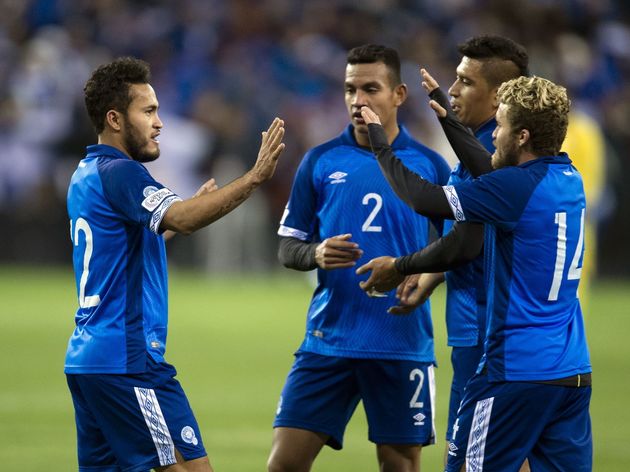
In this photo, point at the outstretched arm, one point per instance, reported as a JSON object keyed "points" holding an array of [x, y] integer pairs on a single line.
{"points": [[195, 213], [461, 245]]}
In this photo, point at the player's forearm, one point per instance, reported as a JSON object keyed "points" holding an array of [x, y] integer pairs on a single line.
{"points": [[468, 149], [190, 215], [296, 254], [424, 197], [461, 245]]}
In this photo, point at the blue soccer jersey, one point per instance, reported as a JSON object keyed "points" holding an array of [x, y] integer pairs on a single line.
{"points": [[119, 258], [533, 248], [466, 294], [340, 189]]}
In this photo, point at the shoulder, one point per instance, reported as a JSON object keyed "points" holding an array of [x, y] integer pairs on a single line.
{"points": [[109, 167], [317, 152]]}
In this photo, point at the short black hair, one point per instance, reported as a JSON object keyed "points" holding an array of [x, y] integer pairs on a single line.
{"points": [[503, 59], [371, 53], [108, 88]]}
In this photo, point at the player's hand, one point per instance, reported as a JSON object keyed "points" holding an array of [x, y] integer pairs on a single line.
{"points": [[384, 276], [369, 116], [414, 291], [337, 252], [430, 84], [270, 149], [209, 186]]}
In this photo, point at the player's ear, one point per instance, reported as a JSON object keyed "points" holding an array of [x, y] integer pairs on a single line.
{"points": [[495, 98], [400, 94], [523, 137], [113, 119]]}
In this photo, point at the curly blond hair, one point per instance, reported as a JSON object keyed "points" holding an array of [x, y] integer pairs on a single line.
{"points": [[540, 106]]}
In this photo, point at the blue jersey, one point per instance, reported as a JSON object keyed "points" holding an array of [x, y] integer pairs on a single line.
{"points": [[338, 189], [466, 294], [119, 259], [534, 244]]}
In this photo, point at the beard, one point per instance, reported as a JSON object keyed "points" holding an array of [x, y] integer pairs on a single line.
{"points": [[137, 145], [506, 156]]}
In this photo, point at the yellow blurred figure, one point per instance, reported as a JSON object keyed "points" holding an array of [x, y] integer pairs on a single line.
{"points": [[586, 147]]}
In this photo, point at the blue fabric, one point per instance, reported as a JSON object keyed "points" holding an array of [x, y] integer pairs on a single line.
{"points": [[465, 361], [533, 249], [115, 209], [501, 423], [111, 414], [338, 189], [466, 294], [322, 392]]}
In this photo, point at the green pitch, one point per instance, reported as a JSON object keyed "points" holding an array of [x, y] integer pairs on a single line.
{"points": [[232, 341]]}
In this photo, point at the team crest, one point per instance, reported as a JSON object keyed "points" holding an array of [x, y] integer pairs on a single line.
{"points": [[188, 436]]}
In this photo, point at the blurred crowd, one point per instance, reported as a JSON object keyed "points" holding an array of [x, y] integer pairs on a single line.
{"points": [[223, 69]]}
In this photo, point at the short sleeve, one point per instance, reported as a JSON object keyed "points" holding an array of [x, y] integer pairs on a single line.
{"points": [[134, 194], [298, 220], [497, 198]]}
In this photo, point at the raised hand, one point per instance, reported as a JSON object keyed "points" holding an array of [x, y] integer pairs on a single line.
{"points": [[369, 116], [430, 84], [337, 252], [270, 150]]}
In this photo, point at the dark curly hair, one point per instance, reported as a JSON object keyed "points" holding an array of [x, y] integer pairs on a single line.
{"points": [[371, 53], [502, 59], [108, 88]]}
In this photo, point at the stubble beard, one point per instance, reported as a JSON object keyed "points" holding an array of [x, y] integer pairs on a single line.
{"points": [[137, 146]]}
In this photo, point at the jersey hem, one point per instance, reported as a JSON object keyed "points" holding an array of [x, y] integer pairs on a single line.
{"points": [[366, 354]]}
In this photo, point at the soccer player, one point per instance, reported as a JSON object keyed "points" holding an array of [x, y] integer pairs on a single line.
{"points": [[341, 210], [531, 394], [130, 412], [487, 62]]}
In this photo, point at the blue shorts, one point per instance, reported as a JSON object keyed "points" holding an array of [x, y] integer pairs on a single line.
{"points": [[322, 392], [133, 422], [465, 361], [500, 424]]}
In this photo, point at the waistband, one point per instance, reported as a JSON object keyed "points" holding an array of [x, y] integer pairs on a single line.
{"points": [[575, 381]]}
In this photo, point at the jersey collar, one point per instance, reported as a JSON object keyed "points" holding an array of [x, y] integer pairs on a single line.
{"points": [[105, 150], [562, 158]]}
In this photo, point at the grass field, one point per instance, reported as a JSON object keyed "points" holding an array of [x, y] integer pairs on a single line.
{"points": [[232, 341]]}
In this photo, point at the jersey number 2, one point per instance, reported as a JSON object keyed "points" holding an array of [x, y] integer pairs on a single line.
{"points": [[367, 224], [561, 253], [82, 225]]}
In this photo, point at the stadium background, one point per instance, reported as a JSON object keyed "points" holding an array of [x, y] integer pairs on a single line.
{"points": [[222, 70]]}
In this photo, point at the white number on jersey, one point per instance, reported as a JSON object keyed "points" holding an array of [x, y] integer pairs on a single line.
{"points": [[89, 301], [367, 225], [414, 403], [575, 272]]}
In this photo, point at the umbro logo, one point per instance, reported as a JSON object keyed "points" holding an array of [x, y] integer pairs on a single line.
{"points": [[419, 419], [452, 449], [337, 177]]}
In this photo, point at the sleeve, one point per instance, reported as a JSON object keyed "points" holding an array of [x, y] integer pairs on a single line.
{"points": [[296, 254], [424, 197], [298, 220], [498, 198], [134, 194], [461, 245], [468, 149]]}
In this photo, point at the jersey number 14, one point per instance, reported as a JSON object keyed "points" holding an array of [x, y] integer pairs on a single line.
{"points": [[561, 253]]}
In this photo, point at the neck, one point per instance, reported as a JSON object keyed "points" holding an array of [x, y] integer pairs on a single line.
{"points": [[112, 140], [526, 157]]}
